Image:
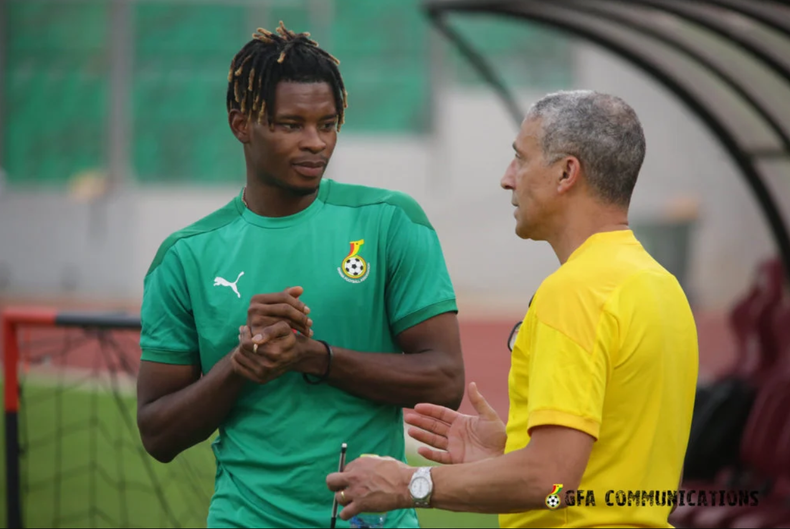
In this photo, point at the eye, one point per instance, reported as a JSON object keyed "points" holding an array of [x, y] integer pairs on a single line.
{"points": [[289, 126], [329, 125]]}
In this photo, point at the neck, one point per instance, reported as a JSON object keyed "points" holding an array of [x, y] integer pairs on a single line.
{"points": [[269, 200], [583, 222]]}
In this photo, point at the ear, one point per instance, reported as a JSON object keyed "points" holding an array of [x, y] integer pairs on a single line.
{"points": [[239, 125], [571, 174]]}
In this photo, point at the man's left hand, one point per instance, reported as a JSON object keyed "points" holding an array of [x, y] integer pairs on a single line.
{"points": [[371, 484]]}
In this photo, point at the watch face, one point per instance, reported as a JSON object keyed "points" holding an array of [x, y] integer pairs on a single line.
{"points": [[420, 488]]}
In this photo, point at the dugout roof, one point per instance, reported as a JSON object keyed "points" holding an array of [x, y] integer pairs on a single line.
{"points": [[727, 61]]}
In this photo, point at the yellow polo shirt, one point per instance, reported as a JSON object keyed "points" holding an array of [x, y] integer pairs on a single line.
{"points": [[608, 347]]}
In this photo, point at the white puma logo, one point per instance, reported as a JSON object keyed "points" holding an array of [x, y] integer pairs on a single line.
{"points": [[220, 282]]}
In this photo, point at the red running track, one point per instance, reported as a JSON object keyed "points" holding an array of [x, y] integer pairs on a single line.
{"points": [[486, 357]]}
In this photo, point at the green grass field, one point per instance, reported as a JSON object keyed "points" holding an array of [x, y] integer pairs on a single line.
{"points": [[89, 440]]}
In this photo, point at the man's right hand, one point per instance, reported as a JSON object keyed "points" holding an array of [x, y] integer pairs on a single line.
{"points": [[267, 356], [267, 309], [457, 438]]}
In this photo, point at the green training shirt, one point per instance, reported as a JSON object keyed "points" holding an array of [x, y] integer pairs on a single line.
{"points": [[371, 266]]}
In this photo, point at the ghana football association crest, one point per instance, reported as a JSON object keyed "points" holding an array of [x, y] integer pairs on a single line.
{"points": [[354, 268]]}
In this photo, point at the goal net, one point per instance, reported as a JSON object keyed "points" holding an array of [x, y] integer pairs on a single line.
{"points": [[73, 453]]}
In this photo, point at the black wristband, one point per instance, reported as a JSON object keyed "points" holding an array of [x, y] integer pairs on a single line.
{"points": [[323, 377]]}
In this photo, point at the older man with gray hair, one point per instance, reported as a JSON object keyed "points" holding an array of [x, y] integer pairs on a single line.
{"points": [[604, 366]]}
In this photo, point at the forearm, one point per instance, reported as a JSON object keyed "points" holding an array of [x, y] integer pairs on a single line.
{"points": [[510, 483], [400, 379], [180, 420]]}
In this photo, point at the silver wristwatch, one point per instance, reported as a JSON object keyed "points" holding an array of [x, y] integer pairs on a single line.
{"points": [[421, 487]]}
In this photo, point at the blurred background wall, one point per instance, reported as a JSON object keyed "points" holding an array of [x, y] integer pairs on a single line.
{"points": [[113, 134]]}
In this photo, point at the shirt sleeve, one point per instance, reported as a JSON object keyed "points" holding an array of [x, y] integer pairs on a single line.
{"points": [[418, 282], [567, 383], [168, 333]]}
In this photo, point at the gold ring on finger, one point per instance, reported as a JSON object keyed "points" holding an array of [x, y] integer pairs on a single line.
{"points": [[343, 496], [255, 348]]}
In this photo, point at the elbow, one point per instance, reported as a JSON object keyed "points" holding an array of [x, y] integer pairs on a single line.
{"points": [[454, 398], [452, 391], [156, 450], [154, 444], [155, 447]]}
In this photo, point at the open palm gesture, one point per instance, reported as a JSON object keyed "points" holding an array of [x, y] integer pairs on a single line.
{"points": [[453, 437]]}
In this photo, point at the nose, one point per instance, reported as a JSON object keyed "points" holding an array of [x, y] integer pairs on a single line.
{"points": [[508, 180], [312, 141]]}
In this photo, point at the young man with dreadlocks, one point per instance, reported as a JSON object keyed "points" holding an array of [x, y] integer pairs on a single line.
{"points": [[264, 318]]}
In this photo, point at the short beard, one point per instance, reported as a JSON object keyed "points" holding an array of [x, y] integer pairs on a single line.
{"points": [[296, 191], [300, 191]]}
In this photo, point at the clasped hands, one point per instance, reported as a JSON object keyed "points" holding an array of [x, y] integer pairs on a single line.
{"points": [[268, 346], [379, 484]]}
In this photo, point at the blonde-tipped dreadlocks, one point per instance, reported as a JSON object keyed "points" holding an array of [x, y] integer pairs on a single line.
{"points": [[261, 64]]}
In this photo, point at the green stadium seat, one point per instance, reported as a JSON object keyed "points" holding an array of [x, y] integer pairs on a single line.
{"points": [[66, 88], [181, 55]]}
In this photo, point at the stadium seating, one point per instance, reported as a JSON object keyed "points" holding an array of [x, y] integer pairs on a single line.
{"points": [[67, 90], [776, 512], [760, 454], [721, 409], [180, 53], [731, 478], [776, 341], [751, 321], [761, 323]]}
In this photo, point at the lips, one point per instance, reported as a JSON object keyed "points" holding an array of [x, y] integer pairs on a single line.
{"points": [[310, 168]]}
